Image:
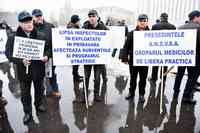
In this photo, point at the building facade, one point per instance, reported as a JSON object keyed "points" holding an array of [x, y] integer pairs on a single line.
{"points": [[177, 10]]}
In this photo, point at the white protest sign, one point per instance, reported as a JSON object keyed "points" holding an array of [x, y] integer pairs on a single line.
{"points": [[3, 39], [117, 36], [80, 46], [164, 48], [26, 48]]}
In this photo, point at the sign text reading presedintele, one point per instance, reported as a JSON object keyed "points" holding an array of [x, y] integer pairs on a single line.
{"points": [[165, 48]]}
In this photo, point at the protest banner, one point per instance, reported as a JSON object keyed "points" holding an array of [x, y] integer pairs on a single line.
{"points": [[3, 39], [26, 48], [117, 36], [164, 48], [80, 46]]}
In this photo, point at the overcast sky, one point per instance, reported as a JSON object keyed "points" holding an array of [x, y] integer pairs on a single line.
{"points": [[13, 5], [127, 4]]}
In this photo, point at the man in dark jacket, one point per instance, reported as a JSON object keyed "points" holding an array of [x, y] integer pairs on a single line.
{"points": [[45, 27], [75, 24], [162, 25], [193, 72], [4, 25], [94, 24], [134, 70], [36, 71], [3, 101]]}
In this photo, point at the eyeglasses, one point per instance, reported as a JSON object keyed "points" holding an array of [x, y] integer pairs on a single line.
{"points": [[91, 16]]}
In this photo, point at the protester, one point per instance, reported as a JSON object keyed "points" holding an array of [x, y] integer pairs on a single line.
{"points": [[193, 72], [75, 24], [4, 26], [3, 101], [94, 23], [162, 25], [142, 24], [36, 68], [43, 26]]}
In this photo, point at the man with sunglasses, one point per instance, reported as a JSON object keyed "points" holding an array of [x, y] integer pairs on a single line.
{"points": [[45, 27], [142, 24], [94, 23]]}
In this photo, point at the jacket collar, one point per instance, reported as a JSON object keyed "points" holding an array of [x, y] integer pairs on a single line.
{"points": [[21, 33], [137, 28]]}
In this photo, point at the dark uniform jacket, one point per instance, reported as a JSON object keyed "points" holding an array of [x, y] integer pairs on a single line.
{"points": [[46, 28], [100, 26], [128, 47], [163, 25], [192, 25], [71, 25]]}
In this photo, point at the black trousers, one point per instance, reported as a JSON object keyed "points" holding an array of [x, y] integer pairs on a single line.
{"points": [[193, 74], [98, 71], [53, 82], [143, 72], [1, 87], [75, 71], [154, 74], [26, 98], [179, 77]]}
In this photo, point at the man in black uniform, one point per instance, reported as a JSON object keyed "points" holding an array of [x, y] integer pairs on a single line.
{"points": [[4, 26], [193, 72], [36, 69], [75, 24], [162, 25], [95, 24], [42, 26], [134, 70]]}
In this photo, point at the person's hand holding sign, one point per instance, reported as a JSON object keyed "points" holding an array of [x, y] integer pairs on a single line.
{"points": [[26, 63], [45, 59]]}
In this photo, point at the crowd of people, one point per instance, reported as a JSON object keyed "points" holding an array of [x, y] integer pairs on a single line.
{"points": [[34, 26]]}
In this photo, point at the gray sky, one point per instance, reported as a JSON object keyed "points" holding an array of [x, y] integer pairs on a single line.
{"points": [[51, 8], [13, 5], [127, 4]]}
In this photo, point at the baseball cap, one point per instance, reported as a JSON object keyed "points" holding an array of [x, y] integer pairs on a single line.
{"points": [[24, 16]]}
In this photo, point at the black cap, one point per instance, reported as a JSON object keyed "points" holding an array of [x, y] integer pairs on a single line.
{"points": [[74, 18], [37, 12], [93, 12], [193, 14], [164, 16], [142, 17], [24, 16]]}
